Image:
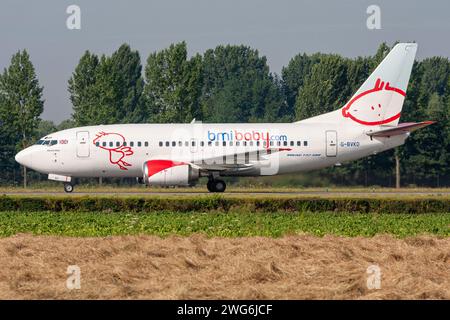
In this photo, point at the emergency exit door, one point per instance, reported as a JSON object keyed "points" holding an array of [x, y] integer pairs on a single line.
{"points": [[331, 143], [82, 144]]}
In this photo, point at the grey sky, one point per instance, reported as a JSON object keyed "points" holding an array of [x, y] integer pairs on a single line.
{"points": [[278, 29]]}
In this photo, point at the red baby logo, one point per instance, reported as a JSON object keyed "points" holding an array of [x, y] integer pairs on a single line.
{"points": [[380, 105], [117, 151]]}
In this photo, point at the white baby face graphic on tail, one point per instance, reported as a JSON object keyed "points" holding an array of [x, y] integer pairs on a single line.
{"points": [[380, 105]]}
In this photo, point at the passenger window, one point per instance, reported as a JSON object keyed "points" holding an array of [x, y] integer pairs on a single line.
{"points": [[299, 143], [202, 143], [244, 143], [278, 143], [146, 143], [271, 143], [231, 143], [238, 143], [265, 143], [251, 143], [257, 143], [111, 143], [117, 144], [224, 143], [180, 143], [97, 143], [292, 143], [186, 143], [167, 143], [174, 144], [193, 143], [285, 143], [53, 142], [217, 143], [209, 143], [160, 144], [131, 143], [305, 143], [139, 144], [104, 143], [124, 143]]}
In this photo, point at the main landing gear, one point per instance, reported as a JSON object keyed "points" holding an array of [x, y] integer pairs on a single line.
{"points": [[68, 187], [216, 185]]}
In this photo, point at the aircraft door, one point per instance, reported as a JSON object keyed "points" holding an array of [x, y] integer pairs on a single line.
{"points": [[83, 144], [331, 143]]}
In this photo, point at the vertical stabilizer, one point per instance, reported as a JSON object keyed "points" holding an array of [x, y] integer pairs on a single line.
{"points": [[379, 100]]}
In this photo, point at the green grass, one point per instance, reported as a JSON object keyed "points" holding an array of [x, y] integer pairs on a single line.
{"points": [[218, 203], [241, 191], [231, 224]]}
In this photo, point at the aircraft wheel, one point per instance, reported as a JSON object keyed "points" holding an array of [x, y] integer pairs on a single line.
{"points": [[219, 185], [68, 187], [210, 186]]}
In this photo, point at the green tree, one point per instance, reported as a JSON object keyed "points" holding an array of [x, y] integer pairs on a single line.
{"points": [[44, 128], [127, 67], [106, 106], [294, 75], [435, 73], [425, 154], [107, 89], [172, 85], [257, 94], [427, 151], [382, 52], [7, 150], [325, 88], [21, 102], [82, 89], [225, 104], [65, 124]]}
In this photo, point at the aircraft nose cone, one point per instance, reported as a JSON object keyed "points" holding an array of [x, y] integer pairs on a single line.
{"points": [[24, 158]]}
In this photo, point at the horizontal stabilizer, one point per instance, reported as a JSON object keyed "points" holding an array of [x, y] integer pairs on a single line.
{"points": [[400, 129]]}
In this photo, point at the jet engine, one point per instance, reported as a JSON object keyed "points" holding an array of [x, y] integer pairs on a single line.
{"points": [[169, 173]]}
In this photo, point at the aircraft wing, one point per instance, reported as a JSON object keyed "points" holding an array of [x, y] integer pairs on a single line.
{"points": [[236, 161], [399, 129]]}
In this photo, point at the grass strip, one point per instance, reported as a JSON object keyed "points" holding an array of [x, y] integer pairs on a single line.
{"points": [[231, 224]]}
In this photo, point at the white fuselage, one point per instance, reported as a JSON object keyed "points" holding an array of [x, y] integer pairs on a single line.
{"points": [[121, 150]]}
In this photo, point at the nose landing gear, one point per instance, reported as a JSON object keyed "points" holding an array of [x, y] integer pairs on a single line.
{"points": [[216, 185], [68, 187]]}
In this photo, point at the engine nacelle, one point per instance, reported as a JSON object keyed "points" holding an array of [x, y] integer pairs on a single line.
{"points": [[169, 173]]}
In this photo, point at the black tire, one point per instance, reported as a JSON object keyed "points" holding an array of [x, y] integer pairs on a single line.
{"points": [[68, 187], [219, 186], [210, 186]]}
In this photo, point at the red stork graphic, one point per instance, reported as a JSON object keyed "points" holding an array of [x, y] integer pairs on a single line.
{"points": [[117, 151]]}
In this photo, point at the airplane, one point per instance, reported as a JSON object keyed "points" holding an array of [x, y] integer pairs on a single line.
{"points": [[181, 154]]}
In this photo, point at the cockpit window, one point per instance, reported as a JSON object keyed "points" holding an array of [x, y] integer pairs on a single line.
{"points": [[46, 142]]}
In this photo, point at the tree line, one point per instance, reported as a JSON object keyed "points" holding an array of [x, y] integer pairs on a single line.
{"points": [[231, 83]]}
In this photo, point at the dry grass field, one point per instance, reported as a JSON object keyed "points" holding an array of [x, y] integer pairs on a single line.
{"points": [[197, 267]]}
